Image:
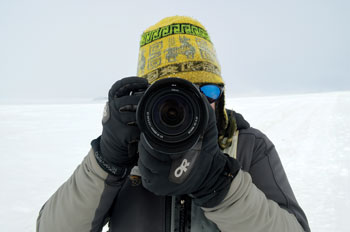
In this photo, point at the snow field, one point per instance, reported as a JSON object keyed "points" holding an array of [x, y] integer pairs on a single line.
{"points": [[41, 145]]}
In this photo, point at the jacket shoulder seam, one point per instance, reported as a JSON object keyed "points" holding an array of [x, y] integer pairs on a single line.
{"points": [[274, 175]]}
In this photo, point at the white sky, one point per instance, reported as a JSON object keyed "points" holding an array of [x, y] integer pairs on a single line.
{"points": [[79, 48]]}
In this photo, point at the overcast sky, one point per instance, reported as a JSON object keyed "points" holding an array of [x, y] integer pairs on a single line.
{"points": [[79, 48]]}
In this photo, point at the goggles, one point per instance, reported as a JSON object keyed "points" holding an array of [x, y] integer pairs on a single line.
{"points": [[211, 91]]}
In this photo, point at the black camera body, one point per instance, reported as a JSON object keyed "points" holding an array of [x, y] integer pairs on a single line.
{"points": [[172, 114]]}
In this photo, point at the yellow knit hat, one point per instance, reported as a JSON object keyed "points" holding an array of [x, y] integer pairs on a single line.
{"points": [[178, 46]]}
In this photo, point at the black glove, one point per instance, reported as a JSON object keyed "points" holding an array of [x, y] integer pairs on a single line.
{"points": [[204, 172], [116, 149]]}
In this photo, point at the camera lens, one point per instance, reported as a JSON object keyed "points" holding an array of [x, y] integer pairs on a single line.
{"points": [[172, 113]]}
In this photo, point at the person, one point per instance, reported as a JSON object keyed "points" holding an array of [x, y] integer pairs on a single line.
{"points": [[236, 182]]}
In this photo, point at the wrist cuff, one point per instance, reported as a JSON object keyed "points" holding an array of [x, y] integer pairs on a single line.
{"points": [[111, 169], [216, 189]]}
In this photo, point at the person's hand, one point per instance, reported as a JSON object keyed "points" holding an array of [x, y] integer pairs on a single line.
{"points": [[204, 172], [116, 149]]}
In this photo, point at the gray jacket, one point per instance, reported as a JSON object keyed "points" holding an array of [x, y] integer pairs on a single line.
{"points": [[260, 199]]}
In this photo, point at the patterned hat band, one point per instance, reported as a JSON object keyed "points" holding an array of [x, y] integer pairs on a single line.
{"points": [[173, 29], [180, 50]]}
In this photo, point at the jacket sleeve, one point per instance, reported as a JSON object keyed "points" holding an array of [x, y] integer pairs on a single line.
{"points": [[245, 208], [260, 197], [83, 202]]}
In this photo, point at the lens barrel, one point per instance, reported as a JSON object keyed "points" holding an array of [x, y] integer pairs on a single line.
{"points": [[172, 115]]}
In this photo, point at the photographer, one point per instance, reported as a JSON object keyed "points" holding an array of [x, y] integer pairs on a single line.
{"points": [[229, 179]]}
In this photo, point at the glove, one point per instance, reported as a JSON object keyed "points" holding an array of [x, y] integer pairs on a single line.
{"points": [[204, 172], [116, 149]]}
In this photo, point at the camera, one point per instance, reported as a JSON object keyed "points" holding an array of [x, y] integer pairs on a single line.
{"points": [[172, 114]]}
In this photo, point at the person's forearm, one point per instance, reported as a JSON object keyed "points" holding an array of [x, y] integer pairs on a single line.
{"points": [[245, 208], [73, 206]]}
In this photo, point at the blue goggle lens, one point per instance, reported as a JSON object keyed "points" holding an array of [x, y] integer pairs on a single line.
{"points": [[212, 92]]}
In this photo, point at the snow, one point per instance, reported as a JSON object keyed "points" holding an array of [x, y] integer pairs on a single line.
{"points": [[41, 145]]}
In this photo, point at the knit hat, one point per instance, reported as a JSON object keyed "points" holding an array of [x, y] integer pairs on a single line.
{"points": [[180, 46]]}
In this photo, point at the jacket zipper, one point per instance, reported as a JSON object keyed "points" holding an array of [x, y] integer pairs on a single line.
{"points": [[182, 215], [185, 214]]}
